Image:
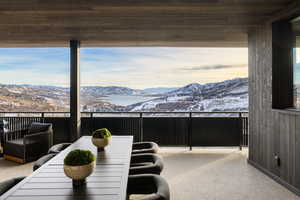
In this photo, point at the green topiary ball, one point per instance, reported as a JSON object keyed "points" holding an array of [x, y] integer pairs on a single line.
{"points": [[79, 157], [102, 133]]}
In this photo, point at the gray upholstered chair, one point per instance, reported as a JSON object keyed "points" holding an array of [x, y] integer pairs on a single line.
{"points": [[8, 184], [58, 148], [41, 161], [144, 147], [30, 144], [146, 164], [154, 186]]}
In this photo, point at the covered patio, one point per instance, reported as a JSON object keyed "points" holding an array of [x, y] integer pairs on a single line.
{"points": [[262, 26]]}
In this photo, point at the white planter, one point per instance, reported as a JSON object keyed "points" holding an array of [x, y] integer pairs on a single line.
{"points": [[100, 142], [79, 172]]}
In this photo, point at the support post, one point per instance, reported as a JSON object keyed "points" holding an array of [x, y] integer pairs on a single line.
{"points": [[241, 131], [190, 132], [74, 90]]}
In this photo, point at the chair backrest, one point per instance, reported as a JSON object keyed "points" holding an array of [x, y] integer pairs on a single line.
{"points": [[8, 184], [144, 147], [140, 164], [58, 148], [149, 184], [37, 127], [41, 161]]}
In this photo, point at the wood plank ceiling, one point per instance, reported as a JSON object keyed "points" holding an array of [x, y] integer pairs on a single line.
{"points": [[206, 23]]}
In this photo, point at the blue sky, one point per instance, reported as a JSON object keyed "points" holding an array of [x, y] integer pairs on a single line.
{"points": [[130, 67]]}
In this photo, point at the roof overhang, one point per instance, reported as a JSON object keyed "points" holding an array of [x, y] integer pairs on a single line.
{"points": [[99, 23]]}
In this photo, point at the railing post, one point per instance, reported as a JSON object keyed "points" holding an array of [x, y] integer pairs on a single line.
{"points": [[43, 117], [141, 128], [190, 131], [92, 124], [241, 132], [247, 130]]}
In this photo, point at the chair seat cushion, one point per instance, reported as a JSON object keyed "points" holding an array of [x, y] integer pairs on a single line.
{"points": [[20, 142], [14, 148]]}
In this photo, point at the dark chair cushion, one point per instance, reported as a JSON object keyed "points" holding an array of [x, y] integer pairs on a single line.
{"points": [[8, 184], [58, 148], [148, 184], [41, 161], [36, 127], [20, 142], [14, 148], [146, 164], [144, 147]]}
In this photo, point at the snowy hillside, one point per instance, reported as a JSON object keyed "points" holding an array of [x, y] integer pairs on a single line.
{"points": [[230, 95], [98, 91]]}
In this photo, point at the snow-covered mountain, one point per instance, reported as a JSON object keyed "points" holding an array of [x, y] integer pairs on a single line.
{"points": [[230, 95], [99, 91], [14, 98], [212, 88]]}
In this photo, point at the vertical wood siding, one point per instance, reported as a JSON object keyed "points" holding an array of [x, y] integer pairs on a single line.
{"points": [[271, 132]]}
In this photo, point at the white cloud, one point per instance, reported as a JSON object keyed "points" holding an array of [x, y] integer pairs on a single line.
{"points": [[131, 67], [158, 67]]}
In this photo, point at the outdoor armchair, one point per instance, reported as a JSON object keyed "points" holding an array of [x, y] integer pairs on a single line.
{"points": [[30, 144]]}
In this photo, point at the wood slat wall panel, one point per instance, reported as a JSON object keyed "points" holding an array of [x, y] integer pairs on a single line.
{"points": [[297, 150], [292, 150], [272, 132], [275, 144], [284, 138]]}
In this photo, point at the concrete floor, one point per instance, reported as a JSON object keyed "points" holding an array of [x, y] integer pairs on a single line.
{"points": [[215, 174], [10, 169], [201, 174]]}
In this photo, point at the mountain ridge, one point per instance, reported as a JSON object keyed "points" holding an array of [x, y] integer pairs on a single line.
{"points": [[194, 96]]}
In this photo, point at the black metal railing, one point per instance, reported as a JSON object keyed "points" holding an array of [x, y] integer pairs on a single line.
{"points": [[166, 128]]}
